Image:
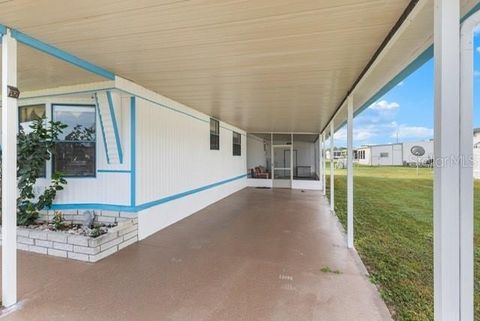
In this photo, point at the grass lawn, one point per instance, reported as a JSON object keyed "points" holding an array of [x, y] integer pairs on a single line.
{"points": [[393, 213]]}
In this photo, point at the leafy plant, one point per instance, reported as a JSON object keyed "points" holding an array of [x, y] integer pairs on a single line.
{"points": [[58, 221], [96, 231], [80, 133], [34, 148]]}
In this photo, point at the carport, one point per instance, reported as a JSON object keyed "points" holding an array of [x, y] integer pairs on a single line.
{"points": [[264, 66]]}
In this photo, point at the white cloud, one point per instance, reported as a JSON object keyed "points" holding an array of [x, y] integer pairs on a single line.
{"points": [[365, 128], [476, 30], [384, 105], [478, 49], [405, 131], [379, 125], [400, 84], [359, 134]]}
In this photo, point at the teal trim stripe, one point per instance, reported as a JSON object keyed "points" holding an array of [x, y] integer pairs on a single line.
{"points": [[3, 30], [126, 208], [407, 71], [113, 171], [115, 127], [187, 193], [60, 54], [94, 206], [103, 129], [471, 12], [133, 150]]}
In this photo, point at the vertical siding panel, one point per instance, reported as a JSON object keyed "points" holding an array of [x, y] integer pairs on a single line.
{"points": [[175, 150]]}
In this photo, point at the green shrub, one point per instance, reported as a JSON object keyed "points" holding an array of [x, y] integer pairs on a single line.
{"points": [[58, 221], [33, 150]]}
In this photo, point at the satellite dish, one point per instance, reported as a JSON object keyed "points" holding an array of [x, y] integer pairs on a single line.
{"points": [[417, 151]]}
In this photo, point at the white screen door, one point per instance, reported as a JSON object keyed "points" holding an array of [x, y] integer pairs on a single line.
{"points": [[282, 166]]}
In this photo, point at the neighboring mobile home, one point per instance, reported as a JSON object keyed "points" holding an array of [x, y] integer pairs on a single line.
{"points": [[393, 154], [476, 153]]}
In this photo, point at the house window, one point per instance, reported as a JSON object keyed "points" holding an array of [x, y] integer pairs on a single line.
{"points": [[26, 116], [214, 134], [75, 150], [237, 144], [383, 155], [361, 154]]}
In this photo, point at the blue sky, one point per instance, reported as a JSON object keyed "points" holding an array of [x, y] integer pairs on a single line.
{"points": [[406, 110]]}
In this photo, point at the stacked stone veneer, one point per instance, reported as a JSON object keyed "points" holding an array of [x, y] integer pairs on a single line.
{"points": [[77, 217], [79, 247]]}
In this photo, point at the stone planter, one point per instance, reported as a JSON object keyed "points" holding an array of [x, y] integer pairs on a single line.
{"points": [[79, 247]]}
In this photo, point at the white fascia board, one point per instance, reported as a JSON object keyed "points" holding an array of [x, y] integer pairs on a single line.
{"points": [[68, 90]]}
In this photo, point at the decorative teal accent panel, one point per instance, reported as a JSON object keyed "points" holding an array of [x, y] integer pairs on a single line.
{"points": [[115, 126]]}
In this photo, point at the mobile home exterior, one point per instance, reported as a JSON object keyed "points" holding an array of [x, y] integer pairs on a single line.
{"points": [[393, 154], [150, 156], [476, 153], [379, 155], [141, 155]]}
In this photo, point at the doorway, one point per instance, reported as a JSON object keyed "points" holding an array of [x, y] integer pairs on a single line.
{"points": [[282, 166]]}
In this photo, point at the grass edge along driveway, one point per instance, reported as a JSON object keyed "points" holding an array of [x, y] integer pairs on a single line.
{"points": [[393, 217]]}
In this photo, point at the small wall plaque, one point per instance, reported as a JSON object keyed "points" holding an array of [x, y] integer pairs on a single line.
{"points": [[13, 92]]}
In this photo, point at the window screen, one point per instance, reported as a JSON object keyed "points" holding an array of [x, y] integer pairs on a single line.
{"points": [[237, 144], [26, 116], [214, 134], [75, 151]]}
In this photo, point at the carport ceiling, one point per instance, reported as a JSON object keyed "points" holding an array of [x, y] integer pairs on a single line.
{"points": [[268, 65]]}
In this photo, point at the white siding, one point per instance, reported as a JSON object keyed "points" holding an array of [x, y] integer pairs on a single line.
{"points": [[397, 154], [105, 188], [259, 182], [476, 155], [173, 157], [367, 159], [256, 152], [306, 155], [176, 172], [476, 163], [307, 184], [391, 153]]}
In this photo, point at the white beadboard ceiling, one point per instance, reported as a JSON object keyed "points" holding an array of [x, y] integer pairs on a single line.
{"points": [[264, 65]]}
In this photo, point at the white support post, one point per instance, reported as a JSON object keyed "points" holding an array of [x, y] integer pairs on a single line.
{"points": [[324, 166], [332, 170], [9, 172], [350, 172], [320, 159], [291, 160], [466, 172], [447, 191]]}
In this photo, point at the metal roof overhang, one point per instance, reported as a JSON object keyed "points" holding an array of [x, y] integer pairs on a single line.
{"points": [[271, 65]]}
